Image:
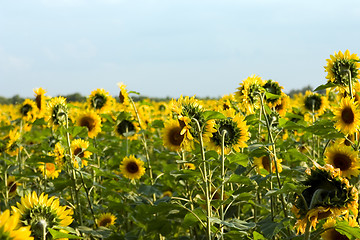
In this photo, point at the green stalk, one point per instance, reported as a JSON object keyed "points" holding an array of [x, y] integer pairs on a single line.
{"points": [[222, 215]]}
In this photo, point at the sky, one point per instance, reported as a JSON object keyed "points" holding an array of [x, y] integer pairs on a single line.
{"points": [[168, 48]]}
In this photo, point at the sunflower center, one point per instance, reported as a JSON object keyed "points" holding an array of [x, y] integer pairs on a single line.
{"points": [[105, 222], [50, 167], [125, 128], [132, 167], [335, 235], [99, 101], [25, 109], [347, 115], [79, 152], [265, 161], [313, 102], [175, 138], [342, 161], [121, 97], [38, 101], [87, 122]]}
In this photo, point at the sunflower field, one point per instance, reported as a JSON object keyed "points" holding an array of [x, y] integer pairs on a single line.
{"points": [[254, 164]]}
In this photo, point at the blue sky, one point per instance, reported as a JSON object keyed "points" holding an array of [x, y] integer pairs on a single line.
{"points": [[166, 48]]}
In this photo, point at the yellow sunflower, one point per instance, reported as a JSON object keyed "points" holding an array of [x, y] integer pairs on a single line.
{"points": [[327, 195], [347, 116], [123, 95], [13, 146], [40, 211], [340, 65], [283, 106], [12, 185], [172, 137], [28, 110], [274, 88], [100, 101], [127, 128], [314, 103], [263, 163], [247, 93], [40, 100], [330, 231], [132, 168], [106, 220], [9, 229], [49, 170], [189, 166], [58, 154], [92, 121], [344, 158], [78, 148], [236, 133], [57, 112]]}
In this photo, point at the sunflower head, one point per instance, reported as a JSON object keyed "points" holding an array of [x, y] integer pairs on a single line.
{"points": [[40, 211], [132, 167], [347, 116], [106, 220], [234, 131], [172, 137], [49, 170], [79, 153], [314, 102], [28, 110], [263, 163], [40, 99], [12, 185], [92, 121], [57, 111], [9, 229], [331, 233], [123, 94], [340, 66], [126, 128], [100, 101], [344, 158], [274, 88]]}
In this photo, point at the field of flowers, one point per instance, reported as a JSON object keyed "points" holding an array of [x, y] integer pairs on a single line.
{"points": [[255, 164]]}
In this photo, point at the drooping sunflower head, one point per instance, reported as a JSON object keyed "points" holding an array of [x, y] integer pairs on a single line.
{"points": [[57, 111], [100, 101], [9, 227], [232, 130], [315, 103], [340, 66], [127, 128], [132, 167], [106, 220], [274, 88], [123, 95], [92, 121], [28, 110], [40, 100], [40, 211], [344, 158], [49, 170], [248, 93], [79, 153], [347, 116], [328, 194]]}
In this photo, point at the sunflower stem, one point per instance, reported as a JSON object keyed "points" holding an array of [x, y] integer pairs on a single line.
{"points": [[222, 217], [350, 83], [207, 182], [307, 230], [88, 198]]}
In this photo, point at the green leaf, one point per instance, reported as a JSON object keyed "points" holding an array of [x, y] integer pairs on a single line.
{"points": [[56, 235], [239, 158], [325, 86], [213, 115], [271, 96], [190, 219], [344, 228], [287, 188]]}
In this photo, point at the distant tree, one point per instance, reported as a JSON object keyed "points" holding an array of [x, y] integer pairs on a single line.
{"points": [[303, 91], [75, 97]]}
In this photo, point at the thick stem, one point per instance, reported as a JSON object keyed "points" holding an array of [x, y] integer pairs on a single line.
{"points": [[222, 217]]}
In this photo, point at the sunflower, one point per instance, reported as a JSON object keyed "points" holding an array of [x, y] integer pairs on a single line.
{"points": [[40, 211], [58, 154], [263, 163], [123, 95], [92, 121], [315, 103], [347, 116], [13, 145], [344, 158], [172, 137], [132, 168], [127, 128], [283, 106], [12, 185], [9, 229], [275, 89], [327, 195], [100, 101], [167, 193], [189, 166], [339, 66], [49, 170], [40, 100], [248, 93], [106, 220], [28, 110], [57, 111], [78, 149], [331, 233], [236, 133]]}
